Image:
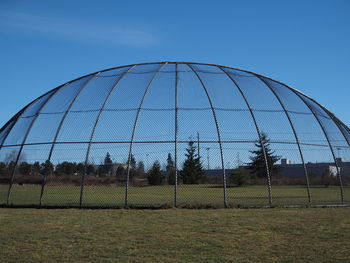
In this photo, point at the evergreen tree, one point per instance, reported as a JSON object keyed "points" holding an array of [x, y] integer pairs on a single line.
{"points": [[108, 163], [133, 167], [239, 177], [192, 171], [65, 167], [155, 175], [132, 162], [120, 173], [80, 169], [257, 166], [101, 171], [90, 170], [11, 166], [46, 167], [140, 168], [170, 170], [36, 168], [24, 168]]}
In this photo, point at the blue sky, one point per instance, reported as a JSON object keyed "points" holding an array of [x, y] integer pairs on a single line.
{"points": [[302, 43]]}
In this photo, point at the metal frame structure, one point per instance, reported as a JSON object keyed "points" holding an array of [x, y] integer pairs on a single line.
{"points": [[343, 130]]}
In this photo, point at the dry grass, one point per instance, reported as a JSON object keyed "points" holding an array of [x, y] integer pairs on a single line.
{"points": [[175, 235]]}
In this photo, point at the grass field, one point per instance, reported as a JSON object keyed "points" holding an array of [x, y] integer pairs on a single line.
{"points": [[175, 235], [192, 195]]}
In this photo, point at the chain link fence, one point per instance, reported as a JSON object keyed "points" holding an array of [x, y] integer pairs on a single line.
{"points": [[174, 134]]}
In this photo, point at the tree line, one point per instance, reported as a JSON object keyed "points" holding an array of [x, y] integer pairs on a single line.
{"points": [[192, 171]]}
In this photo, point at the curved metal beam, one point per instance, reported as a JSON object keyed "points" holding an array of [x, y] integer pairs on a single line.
{"points": [[172, 62], [329, 143], [335, 120], [133, 132], [218, 133], [17, 115], [295, 135], [257, 130], [24, 140], [93, 131], [13, 120], [58, 131]]}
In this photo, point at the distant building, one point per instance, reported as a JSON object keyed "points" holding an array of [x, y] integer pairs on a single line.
{"points": [[296, 170]]}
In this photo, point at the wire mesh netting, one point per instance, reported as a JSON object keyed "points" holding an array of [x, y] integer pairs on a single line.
{"points": [[174, 134]]}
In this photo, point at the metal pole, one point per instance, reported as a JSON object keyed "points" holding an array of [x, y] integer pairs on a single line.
{"points": [[295, 135], [176, 131], [133, 133], [328, 140], [24, 140], [57, 133], [218, 133], [259, 134], [93, 133]]}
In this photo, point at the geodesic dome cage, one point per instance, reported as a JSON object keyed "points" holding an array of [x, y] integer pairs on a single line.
{"points": [[123, 136]]}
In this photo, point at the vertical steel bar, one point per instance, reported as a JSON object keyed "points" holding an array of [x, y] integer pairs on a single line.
{"points": [[24, 140], [93, 132], [218, 133], [58, 131], [294, 132], [176, 130], [258, 131], [133, 132], [328, 140]]}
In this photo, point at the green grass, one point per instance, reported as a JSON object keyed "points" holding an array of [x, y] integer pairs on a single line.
{"points": [[192, 195], [175, 235]]}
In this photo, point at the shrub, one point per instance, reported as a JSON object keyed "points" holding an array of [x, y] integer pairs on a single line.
{"points": [[155, 175], [240, 177]]}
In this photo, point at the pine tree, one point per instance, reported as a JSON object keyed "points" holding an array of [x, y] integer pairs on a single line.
{"points": [[155, 175], [24, 168], [108, 164], [46, 167], [133, 168], [36, 168], [170, 170], [140, 169], [257, 166], [192, 171], [90, 170], [239, 177], [132, 162], [120, 173]]}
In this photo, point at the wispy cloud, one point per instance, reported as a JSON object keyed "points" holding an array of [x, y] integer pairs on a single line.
{"points": [[97, 32]]}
